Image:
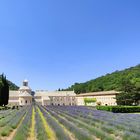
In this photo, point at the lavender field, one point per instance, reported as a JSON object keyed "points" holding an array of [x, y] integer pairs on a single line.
{"points": [[67, 123]]}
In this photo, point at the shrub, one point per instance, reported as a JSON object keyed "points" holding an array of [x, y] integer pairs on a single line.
{"points": [[89, 100], [99, 103], [120, 109], [23, 130], [6, 131], [78, 132], [39, 127], [60, 134], [13, 107]]}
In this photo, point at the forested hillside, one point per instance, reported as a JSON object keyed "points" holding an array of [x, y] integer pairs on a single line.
{"points": [[111, 81], [12, 86]]}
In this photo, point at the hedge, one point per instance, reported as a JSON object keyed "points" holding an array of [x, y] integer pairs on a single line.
{"points": [[4, 108], [89, 100], [120, 109]]}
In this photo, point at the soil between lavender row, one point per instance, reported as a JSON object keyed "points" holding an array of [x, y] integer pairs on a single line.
{"points": [[36, 122]]}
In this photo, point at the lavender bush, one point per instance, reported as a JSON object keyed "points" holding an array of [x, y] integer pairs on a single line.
{"points": [[39, 128], [120, 125], [60, 134], [23, 130]]}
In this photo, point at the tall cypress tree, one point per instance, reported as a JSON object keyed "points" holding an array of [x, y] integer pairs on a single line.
{"points": [[1, 100], [4, 91]]}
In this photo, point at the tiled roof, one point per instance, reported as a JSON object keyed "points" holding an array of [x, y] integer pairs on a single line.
{"points": [[25, 94], [55, 93], [112, 92], [25, 88]]}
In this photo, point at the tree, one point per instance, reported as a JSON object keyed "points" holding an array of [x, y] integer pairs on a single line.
{"points": [[1, 88], [109, 82], [130, 94], [136, 96], [4, 91], [124, 98]]}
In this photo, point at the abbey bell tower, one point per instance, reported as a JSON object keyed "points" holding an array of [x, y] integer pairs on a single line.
{"points": [[25, 97]]}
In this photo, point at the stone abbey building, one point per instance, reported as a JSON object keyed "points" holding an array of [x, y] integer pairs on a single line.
{"points": [[24, 96]]}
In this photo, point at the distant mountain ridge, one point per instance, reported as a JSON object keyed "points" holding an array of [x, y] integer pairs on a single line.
{"points": [[109, 81], [12, 86]]}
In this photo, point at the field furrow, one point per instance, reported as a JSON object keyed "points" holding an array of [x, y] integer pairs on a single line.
{"points": [[38, 122]]}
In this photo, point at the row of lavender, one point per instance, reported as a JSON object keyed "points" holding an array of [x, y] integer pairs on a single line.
{"points": [[20, 121], [42, 118], [89, 124], [68, 123], [9, 120]]}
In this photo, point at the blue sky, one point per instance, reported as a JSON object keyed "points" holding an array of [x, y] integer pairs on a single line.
{"points": [[55, 43]]}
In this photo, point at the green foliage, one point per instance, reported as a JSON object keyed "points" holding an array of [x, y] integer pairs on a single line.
{"points": [[40, 130], [89, 100], [4, 91], [4, 107], [5, 85], [120, 109], [109, 82], [6, 131], [24, 128], [130, 94], [12, 86]]}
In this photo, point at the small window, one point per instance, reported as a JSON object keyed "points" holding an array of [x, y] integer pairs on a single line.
{"points": [[26, 101]]}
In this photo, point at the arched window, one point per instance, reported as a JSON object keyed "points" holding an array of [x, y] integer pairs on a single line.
{"points": [[26, 101]]}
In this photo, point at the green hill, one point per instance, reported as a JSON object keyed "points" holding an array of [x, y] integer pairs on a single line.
{"points": [[12, 86], [109, 82]]}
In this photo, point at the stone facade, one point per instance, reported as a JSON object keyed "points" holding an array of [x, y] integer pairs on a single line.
{"points": [[22, 96], [13, 97], [104, 97], [59, 98]]}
